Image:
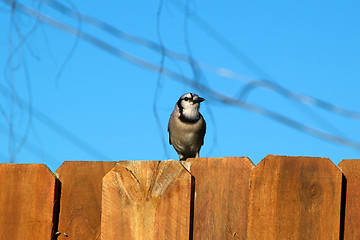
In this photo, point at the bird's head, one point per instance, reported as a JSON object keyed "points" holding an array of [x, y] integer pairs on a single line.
{"points": [[189, 105]]}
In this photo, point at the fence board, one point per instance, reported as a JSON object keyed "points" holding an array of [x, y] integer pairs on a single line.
{"points": [[80, 203], [221, 197], [294, 198], [351, 170], [146, 200], [27, 196]]}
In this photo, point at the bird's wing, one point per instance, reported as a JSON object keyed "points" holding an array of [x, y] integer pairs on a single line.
{"points": [[203, 130], [169, 133]]}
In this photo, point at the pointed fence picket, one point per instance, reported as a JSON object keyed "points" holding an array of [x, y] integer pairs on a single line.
{"points": [[80, 199], [28, 201], [146, 200], [295, 198]]}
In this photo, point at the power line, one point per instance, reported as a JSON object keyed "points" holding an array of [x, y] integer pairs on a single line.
{"points": [[300, 98], [222, 72], [196, 85], [270, 84], [255, 68]]}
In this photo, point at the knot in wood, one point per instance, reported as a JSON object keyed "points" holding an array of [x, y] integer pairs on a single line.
{"points": [[314, 190]]}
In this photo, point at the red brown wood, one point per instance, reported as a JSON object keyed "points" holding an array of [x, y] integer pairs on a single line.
{"points": [[146, 200], [294, 198], [27, 194], [81, 199], [221, 197], [351, 170]]}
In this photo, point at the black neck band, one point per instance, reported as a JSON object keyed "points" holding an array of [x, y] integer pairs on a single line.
{"points": [[188, 120]]}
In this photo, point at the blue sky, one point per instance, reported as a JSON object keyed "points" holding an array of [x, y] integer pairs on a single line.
{"points": [[89, 104]]}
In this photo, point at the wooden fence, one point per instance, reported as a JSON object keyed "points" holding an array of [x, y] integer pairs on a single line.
{"points": [[207, 198]]}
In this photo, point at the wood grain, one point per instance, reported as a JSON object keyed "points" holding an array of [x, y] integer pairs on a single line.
{"points": [[27, 196], [80, 203], [221, 197], [146, 200], [351, 170], [295, 198]]}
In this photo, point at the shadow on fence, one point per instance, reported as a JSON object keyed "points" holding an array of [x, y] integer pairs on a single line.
{"points": [[282, 197]]}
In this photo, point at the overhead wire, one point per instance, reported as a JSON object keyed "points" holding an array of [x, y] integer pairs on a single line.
{"points": [[216, 95], [220, 71], [197, 66], [255, 68]]}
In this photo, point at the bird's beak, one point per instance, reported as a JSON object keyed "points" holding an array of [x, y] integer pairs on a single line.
{"points": [[199, 100]]}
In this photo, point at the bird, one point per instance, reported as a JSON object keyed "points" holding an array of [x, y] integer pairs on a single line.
{"points": [[187, 126]]}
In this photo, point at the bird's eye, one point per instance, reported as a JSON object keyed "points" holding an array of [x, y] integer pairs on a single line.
{"points": [[186, 98]]}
